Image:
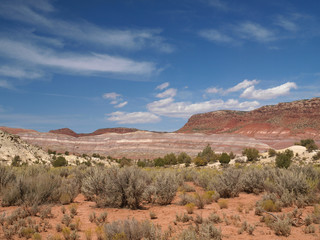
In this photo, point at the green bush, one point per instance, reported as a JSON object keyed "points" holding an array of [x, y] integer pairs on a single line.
{"points": [[184, 158], [60, 162], [309, 144], [170, 159], [252, 154], [271, 152], [283, 160], [224, 158], [200, 161], [159, 162]]}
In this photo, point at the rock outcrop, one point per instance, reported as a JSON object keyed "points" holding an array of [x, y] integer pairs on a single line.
{"points": [[12, 146], [68, 131]]}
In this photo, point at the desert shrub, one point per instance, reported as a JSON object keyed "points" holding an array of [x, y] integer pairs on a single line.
{"points": [[214, 218], [270, 206], [6, 176], [252, 154], [31, 190], [68, 190], [199, 200], [153, 215], [165, 187], [93, 182], [122, 188], [228, 183], [283, 160], [309, 144], [183, 218], [316, 156], [16, 161], [209, 231], [59, 162], [282, 227], [190, 207], [252, 180], [224, 158], [223, 203], [271, 152], [309, 229], [185, 199], [184, 158], [132, 229]]}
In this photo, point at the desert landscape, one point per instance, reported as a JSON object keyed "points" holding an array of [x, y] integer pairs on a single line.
{"points": [[131, 184], [159, 120]]}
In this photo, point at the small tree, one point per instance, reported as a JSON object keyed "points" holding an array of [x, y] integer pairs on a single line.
{"points": [[224, 158], [60, 162], [170, 159], [159, 162], [252, 154], [200, 161], [16, 161], [283, 160], [271, 152], [184, 158], [309, 144], [208, 154]]}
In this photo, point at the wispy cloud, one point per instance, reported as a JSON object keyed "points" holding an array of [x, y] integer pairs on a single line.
{"points": [[133, 117], [284, 89], [242, 85], [171, 92], [168, 107], [20, 73], [286, 23], [218, 4], [38, 14], [111, 95], [116, 99], [6, 84], [121, 105], [163, 86], [73, 62], [215, 36], [254, 31]]}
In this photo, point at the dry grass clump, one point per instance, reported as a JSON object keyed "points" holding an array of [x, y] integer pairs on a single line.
{"points": [[223, 203]]}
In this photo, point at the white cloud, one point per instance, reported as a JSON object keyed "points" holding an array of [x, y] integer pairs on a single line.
{"points": [[75, 63], [36, 14], [163, 86], [168, 107], [286, 24], [242, 85], [133, 117], [254, 31], [218, 4], [213, 90], [120, 105], [6, 84], [171, 92], [111, 95], [215, 36], [16, 72], [284, 89]]}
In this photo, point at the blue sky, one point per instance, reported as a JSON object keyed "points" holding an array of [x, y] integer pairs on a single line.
{"points": [[151, 64]]}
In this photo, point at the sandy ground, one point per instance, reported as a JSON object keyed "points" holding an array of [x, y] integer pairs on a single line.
{"points": [[166, 216]]}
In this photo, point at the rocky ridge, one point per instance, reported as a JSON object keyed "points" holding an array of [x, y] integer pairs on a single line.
{"points": [[298, 119]]}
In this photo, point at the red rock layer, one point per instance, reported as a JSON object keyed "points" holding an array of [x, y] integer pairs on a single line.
{"points": [[298, 119]]}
